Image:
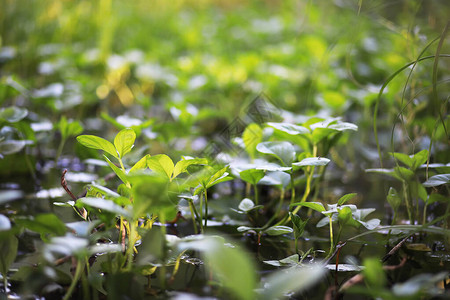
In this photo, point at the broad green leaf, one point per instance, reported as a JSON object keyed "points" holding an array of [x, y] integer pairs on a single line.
{"points": [[437, 198], [437, 180], [252, 136], [140, 165], [418, 190], [119, 172], [95, 142], [319, 134], [282, 282], [183, 165], [8, 252], [393, 199], [283, 151], [69, 129], [104, 190], [67, 245], [276, 178], [346, 198], [45, 224], [312, 161], [374, 275], [419, 158], [218, 177], [272, 167], [289, 261], [403, 173], [5, 223], [289, 128], [405, 159], [298, 225], [278, 230], [150, 194], [161, 164], [13, 114], [124, 141], [233, 267], [102, 204], [414, 287], [252, 176], [317, 206], [246, 205], [345, 217]]}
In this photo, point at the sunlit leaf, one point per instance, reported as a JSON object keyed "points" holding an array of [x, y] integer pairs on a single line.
{"points": [[317, 206], [341, 126], [161, 164], [183, 165], [124, 141], [119, 172], [374, 275], [140, 165], [102, 204], [246, 205], [95, 142]]}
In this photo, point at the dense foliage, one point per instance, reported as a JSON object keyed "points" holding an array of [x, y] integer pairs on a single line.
{"points": [[228, 149]]}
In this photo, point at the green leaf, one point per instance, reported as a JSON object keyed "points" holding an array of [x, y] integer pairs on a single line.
{"points": [[437, 180], [124, 141], [13, 114], [277, 178], [161, 164], [282, 282], [252, 176], [346, 198], [419, 158], [150, 194], [374, 275], [246, 205], [102, 204], [312, 161], [342, 126], [319, 134], [345, 217], [283, 151], [289, 128], [183, 165], [278, 230], [252, 136], [405, 159], [437, 198], [298, 225], [289, 261], [119, 172], [393, 199], [45, 224], [218, 177], [69, 129], [140, 165], [95, 142], [317, 206], [8, 252]]}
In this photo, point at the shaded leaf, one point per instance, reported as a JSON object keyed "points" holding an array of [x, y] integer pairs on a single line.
{"points": [[437, 180], [289, 128], [346, 198], [13, 114], [283, 151], [278, 230], [317, 206], [252, 176], [102, 204], [8, 253]]}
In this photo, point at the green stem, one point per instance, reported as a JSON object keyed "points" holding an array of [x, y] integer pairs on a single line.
{"points": [[193, 215], [60, 149], [78, 272], [206, 208], [331, 237], [5, 283], [131, 242], [408, 205], [162, 218], [292, 187], [255, 188]]}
